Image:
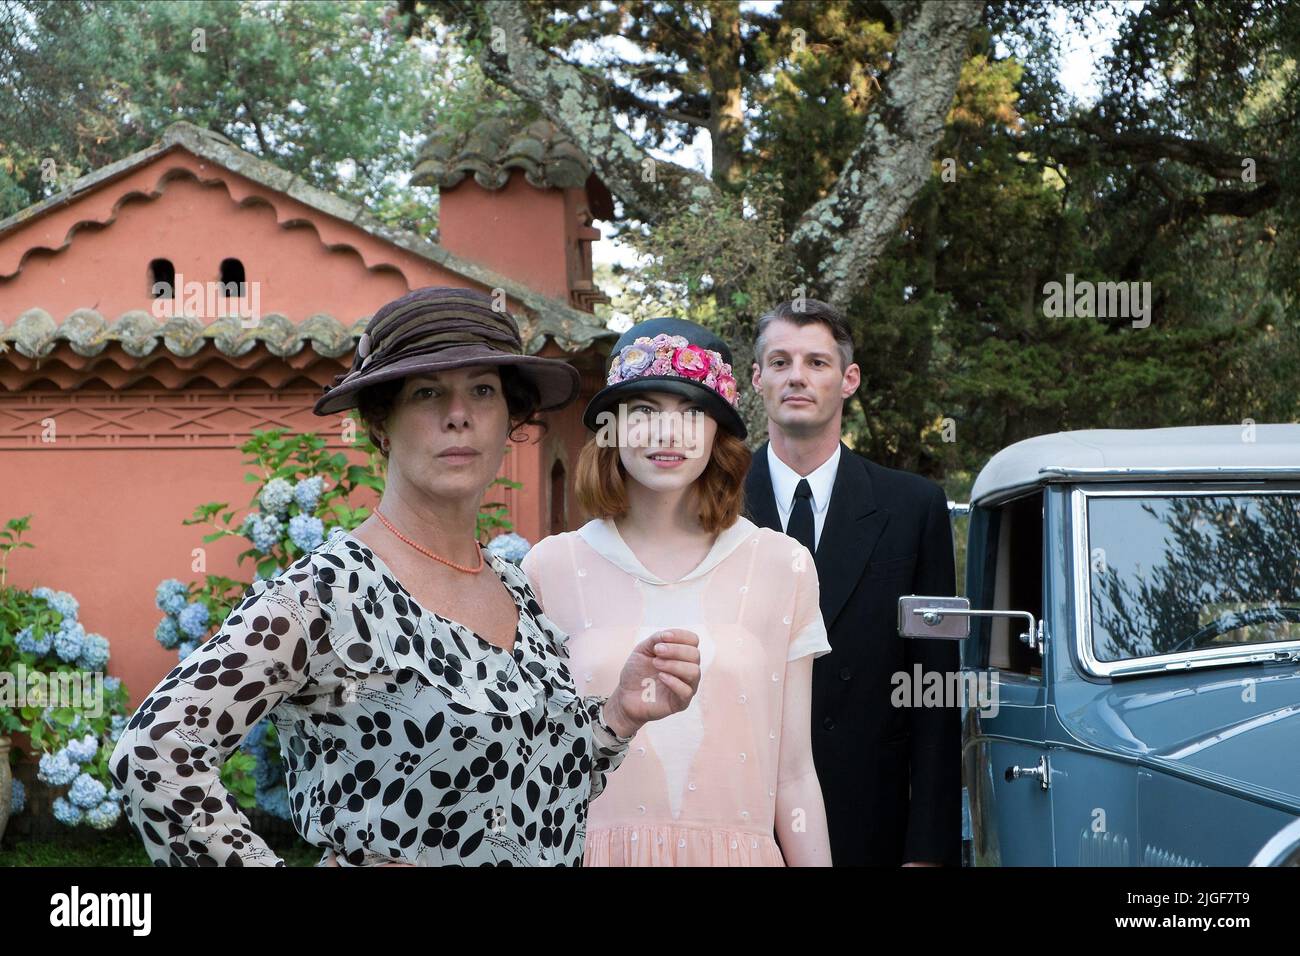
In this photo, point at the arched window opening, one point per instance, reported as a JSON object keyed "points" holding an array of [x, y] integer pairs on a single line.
{"points": [[232, 278], [162, 279]]}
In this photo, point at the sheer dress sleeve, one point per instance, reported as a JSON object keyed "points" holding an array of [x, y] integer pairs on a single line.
{"points": [[168, 760]]}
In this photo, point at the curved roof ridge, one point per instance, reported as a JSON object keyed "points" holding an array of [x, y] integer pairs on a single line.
{"points": [[570, 328]]}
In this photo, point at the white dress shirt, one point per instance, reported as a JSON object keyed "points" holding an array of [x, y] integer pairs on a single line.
{"points": [[785, 479]]}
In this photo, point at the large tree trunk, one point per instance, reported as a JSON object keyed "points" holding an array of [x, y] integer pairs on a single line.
{"points": [[839, 239], [726, 110]]}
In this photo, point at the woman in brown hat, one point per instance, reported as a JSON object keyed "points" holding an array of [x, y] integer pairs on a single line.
{"points": [[425, 710]]}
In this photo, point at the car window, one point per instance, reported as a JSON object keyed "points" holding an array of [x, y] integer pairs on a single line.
{"points": [[1170, 573], [1012, 580]]}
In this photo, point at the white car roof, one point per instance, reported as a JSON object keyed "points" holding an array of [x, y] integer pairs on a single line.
{"points": [[1115, 454]]}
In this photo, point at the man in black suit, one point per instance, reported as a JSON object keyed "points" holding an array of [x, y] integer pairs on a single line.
{"points": [[890, 775]]}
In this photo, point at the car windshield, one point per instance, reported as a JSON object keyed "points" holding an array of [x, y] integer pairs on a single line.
{"points": [[1175, 573]]}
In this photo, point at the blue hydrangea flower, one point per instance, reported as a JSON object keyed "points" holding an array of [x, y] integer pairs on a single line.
{"points": [[171, 596], [307, 493], [274, 801], [32, 645], [104, 816], [275, 497], [17, 798], [266, 531], [267, 773], [185, 648], [193, 621], [117, 725], [57, 769], [510, 547], [66, 813], [69, 641], [94, 653], [61, 601], [111, 684], [306, 532], [87, 792], [168, 634], [83, 749], [256, 737]]}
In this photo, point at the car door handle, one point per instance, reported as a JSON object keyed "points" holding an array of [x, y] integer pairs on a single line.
{"points": [[1042, 773]]}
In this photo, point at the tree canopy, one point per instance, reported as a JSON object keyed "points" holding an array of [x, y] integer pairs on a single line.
{"points": [[920, 165]]}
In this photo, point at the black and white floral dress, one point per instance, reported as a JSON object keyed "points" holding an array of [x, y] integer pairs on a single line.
{"points": [[406, 737]]}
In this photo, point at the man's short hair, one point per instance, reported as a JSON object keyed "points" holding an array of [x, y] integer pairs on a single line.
{"points": [[804, 312]]}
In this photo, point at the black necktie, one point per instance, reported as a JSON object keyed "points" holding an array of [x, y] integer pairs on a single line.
{"points": [[800, 526]]}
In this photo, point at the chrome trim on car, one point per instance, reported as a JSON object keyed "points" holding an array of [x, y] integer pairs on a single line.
{"points": [[1282, 848], [1118, 473], [1279, 651]]}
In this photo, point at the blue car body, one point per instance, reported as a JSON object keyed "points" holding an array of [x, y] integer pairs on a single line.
{"points": [[1176, 757]]}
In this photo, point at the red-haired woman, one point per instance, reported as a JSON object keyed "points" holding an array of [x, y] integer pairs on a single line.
{"points": [[663, 476]]}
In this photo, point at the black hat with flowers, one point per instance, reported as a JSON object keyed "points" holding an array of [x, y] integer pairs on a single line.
{"points": [[671, 355]]}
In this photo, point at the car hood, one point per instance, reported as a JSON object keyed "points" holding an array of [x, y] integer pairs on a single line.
{"points": [[1237, 727]]}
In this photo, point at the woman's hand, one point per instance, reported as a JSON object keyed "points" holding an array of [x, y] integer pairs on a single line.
{"points": [[660, 678]]}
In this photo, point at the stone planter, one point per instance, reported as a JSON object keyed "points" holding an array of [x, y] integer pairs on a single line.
{"points": [[6, 785]]}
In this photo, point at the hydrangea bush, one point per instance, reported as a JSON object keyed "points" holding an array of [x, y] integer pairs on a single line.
{"points": [[301, 487], [39, 630]]}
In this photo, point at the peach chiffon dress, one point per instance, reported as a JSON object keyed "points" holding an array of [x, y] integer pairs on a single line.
{"points": [[697, 788]]}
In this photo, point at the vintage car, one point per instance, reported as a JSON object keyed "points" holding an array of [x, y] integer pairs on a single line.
{"points": [[1131, 649]]}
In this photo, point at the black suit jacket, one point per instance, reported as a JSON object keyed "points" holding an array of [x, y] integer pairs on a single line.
{"points": [[890, 776]]}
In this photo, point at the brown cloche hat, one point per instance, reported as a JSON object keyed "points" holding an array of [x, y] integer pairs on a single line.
{"points": [[441, 327]]}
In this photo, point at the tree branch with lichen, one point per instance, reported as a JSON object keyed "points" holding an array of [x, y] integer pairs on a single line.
{"points": [[580, 104], [839, 239]]}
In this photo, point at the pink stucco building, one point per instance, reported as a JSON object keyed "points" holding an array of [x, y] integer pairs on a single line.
{"points": [[121, 410]]}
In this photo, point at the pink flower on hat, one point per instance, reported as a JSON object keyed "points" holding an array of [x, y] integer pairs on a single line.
{"points": [[727, 387], [673, 356], [692, 361]]}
